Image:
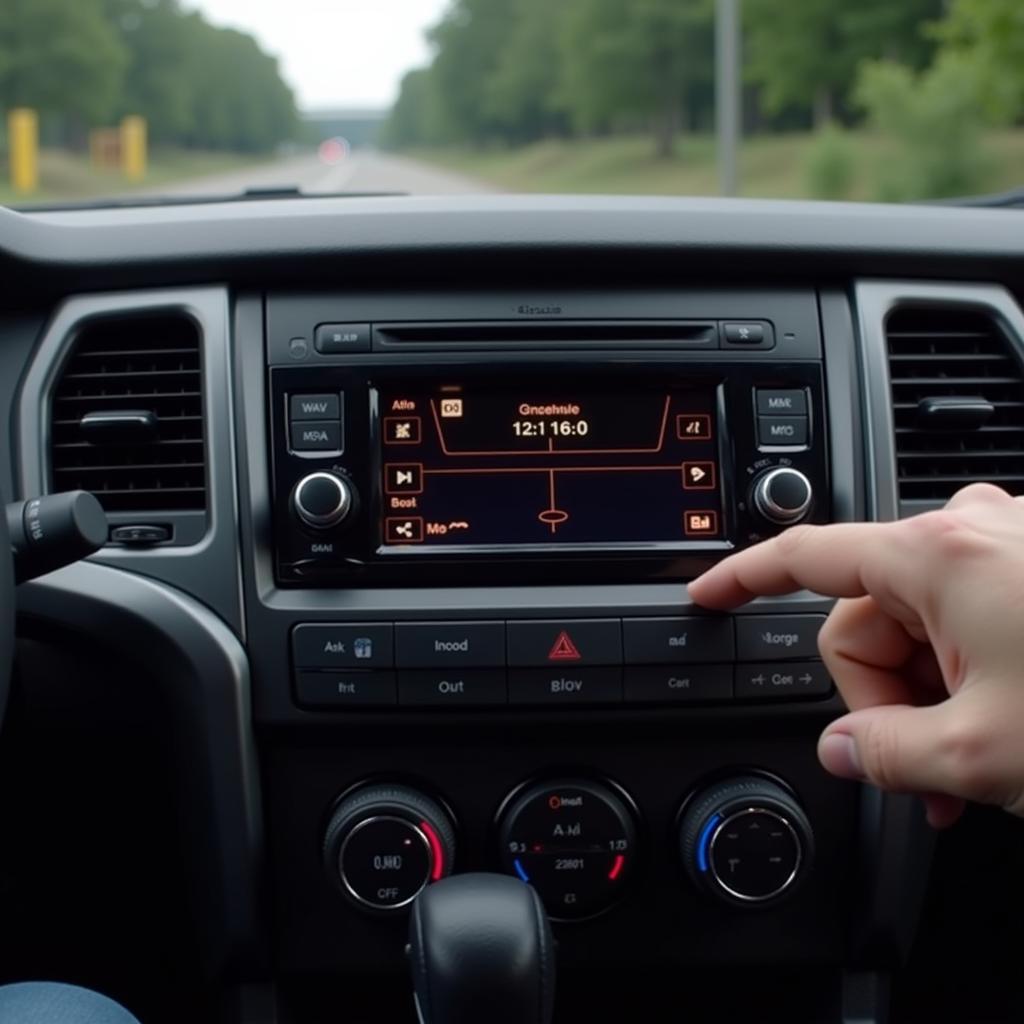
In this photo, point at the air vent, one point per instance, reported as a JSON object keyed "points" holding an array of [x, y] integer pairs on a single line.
{"points": [[958, 401], [128, 416]]}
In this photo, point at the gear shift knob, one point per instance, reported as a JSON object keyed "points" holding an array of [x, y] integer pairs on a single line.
{"points": [[481, 952]]}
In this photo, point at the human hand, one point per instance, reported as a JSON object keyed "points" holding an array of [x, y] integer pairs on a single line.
{"points": [[926, 645]]}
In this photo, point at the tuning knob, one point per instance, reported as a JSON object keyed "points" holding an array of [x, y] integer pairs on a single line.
{"points": [[323, 500], [746, 840], [384, 844], [783, 495]]}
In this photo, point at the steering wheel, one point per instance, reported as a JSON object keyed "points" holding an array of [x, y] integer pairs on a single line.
{"points": [[6, 609]]}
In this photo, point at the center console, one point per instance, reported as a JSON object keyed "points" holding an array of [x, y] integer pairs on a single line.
{"points": [[474, 518]]}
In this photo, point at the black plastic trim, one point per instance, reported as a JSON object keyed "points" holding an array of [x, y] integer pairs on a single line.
{"points": [[205, 565], [199, 672], [388, 237]]}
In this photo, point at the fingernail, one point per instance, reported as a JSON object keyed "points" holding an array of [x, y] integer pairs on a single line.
{"points": [[838, 753]]}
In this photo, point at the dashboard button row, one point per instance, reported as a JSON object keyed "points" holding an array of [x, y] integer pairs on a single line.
{"points": [[557, 643], [587, 686]]}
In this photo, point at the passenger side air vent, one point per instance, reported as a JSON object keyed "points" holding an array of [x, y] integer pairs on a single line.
{"points": [[127, 415], [958, 403]]}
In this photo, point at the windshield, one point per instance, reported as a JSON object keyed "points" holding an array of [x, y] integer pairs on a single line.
{"points": [[139, 100]]}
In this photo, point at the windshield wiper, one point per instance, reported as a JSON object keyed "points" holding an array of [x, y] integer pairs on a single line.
{"points": [[247, 195]]}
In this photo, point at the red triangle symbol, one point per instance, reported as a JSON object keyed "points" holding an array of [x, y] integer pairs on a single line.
{"points": [[564, 649]]}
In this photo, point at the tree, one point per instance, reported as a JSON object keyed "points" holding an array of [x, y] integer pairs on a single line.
{"points": [[990, 34], [805, 53], [414, 119], [156, 37], [469, 40], [237, 97], [636, 61], [196, 83], [933, 119], [61, 57], [522, 91]]}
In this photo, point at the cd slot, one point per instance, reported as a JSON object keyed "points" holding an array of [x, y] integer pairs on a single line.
{"points": [[491, 334]]}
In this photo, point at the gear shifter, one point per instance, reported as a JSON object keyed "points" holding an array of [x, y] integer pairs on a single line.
{"points": [[481, 952]]}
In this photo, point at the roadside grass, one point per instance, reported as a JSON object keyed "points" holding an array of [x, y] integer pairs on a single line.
{"points": [[70, 176], [771, 166]]}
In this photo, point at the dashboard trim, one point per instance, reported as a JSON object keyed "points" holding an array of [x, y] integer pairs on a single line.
{"points": [[874, 301], [208, 569], [200, 674]]}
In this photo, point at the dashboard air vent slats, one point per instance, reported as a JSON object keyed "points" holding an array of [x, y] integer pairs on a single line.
{"points": [[958, 403], [137, 385]]}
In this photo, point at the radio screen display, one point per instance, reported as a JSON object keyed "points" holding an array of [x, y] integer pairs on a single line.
{"points": [[528, 466]]}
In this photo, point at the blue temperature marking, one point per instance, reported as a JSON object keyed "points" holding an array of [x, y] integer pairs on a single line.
{"points": [[520, 870], [705, 839]]}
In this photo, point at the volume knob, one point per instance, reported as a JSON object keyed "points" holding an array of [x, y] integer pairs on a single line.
{"points": [[322, 500], [783, 495]]}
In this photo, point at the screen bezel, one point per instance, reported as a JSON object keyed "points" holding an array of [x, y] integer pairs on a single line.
{"points": [[358, 559]]}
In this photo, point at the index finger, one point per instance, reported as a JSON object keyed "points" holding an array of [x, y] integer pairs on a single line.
{"points": [[830, 560]]}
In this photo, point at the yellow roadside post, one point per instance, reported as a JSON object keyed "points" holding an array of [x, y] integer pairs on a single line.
{"points": [[133, 147], [23, 141]]}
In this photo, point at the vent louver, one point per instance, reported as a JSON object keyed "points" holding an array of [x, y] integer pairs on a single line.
{"points": [[139, 380], [958, 403]]}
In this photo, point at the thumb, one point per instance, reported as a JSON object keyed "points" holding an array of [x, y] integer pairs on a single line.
{"points": [[902, 749]]}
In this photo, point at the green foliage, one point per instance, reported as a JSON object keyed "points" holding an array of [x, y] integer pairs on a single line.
{"points": [[934, 118], [830, 167], [990, 34], [61, 57], [804, 53], [511, 71], [637, 62], [85, 63]]}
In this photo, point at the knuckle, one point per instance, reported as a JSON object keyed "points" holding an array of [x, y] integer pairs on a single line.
{"points": [[831, 633], [979, 492], [879, 753], [790, 541], [947, 533], [966, 746]]}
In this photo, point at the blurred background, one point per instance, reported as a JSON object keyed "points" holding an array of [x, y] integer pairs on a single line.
{"points": [[892, 100]]}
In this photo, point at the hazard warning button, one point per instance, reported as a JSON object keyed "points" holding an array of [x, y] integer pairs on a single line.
{"points": [[564, 642]]}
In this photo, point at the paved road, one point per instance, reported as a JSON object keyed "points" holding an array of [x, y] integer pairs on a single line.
{"points": [[361, 171]]}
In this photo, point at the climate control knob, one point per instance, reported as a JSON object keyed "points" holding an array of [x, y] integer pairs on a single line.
{"points": [[323, 500], [783, 495], [573, 840], [746, 840], [384, 844]]}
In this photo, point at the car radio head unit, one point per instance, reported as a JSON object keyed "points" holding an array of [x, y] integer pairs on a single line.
{"points": [[535, 466], [437, 468]]}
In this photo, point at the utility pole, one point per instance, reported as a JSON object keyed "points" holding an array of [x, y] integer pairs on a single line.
{"points": [[728, 93]]}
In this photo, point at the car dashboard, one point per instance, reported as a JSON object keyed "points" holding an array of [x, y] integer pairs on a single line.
{"points": [[403, 497]]}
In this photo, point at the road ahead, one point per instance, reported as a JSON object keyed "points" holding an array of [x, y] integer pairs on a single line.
{"points": [[361, 171]]}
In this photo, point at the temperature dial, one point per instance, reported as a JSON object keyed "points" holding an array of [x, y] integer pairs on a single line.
{"points": [[746, 840], [384, 844], [783, 495], [323, 500], [574, 841]]}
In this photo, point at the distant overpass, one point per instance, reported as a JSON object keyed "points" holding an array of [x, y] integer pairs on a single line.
{"points": [[360, 125]]}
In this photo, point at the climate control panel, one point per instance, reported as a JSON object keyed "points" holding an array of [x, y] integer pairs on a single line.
{"points": [[743, 840]]}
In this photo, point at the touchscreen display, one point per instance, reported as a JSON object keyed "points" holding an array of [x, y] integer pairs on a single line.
{"points": [[531, 466]]}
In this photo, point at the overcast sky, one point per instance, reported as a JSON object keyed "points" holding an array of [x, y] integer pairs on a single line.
{"points": [[335, 52]]}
